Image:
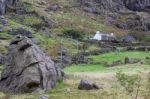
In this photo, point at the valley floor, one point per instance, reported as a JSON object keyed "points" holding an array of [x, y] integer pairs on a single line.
{"points": [[103, 75], [111, 88]]}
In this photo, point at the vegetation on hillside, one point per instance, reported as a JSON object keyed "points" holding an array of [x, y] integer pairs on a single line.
{"points": [[66, 28]]}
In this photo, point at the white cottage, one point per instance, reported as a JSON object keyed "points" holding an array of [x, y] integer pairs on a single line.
{"points": [[103, 37], [98, 36]]}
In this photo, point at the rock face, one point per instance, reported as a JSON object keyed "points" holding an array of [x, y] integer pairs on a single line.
{"points": [[28, 69], [116, 5], [4, 4], [113, 10], [2, 7], [137, 5]]}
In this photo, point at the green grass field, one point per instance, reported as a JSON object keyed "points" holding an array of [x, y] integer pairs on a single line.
{"points": [[84, 68], [106, 75], [87, 68], [110, 57]]}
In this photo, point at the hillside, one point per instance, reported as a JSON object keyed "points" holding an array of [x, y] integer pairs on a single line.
{"points": [[48, 19]]}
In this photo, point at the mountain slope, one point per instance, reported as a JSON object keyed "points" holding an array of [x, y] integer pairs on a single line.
{"points": [[49, 18]]}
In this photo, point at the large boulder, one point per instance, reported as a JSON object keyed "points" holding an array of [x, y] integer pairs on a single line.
{"points": [[88, 85], [28, 69]]}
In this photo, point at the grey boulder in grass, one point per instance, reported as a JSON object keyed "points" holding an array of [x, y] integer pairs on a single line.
{"points": [[88, 85], [28, 69]]}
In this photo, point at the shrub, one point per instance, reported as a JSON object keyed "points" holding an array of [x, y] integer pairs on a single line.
{"points": [[131, 83], [73, 33]]}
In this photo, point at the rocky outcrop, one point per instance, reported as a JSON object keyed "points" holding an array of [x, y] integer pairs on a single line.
{"points": [[11, 4], [116, 5], [2, 7], [137, 5], [124, 14], [28, 69]]}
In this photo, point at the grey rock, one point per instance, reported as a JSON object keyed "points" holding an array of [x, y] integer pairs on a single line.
{"points": [[2, 7], [11, 2], [88, 85], [36, 41], [44, 97], [20, 8], [68, 90], [28, 69], [7, 4], [128, 39], [2, 59], [117, 5], [3, 20], [1, 30], [137, 5], [23, 32], [54, 7]]}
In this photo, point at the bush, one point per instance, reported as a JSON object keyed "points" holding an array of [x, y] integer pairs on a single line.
{"points": [[131, 84], [73, 34]]}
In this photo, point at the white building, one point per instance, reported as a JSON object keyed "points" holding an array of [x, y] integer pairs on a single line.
{"points": [[103, 36], [98, 36]]}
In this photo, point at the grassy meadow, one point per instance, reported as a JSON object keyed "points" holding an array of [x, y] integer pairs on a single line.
{"points": [[110, 57]]}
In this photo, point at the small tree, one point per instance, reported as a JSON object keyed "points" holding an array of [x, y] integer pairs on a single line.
{"points": [[131, 83]]}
